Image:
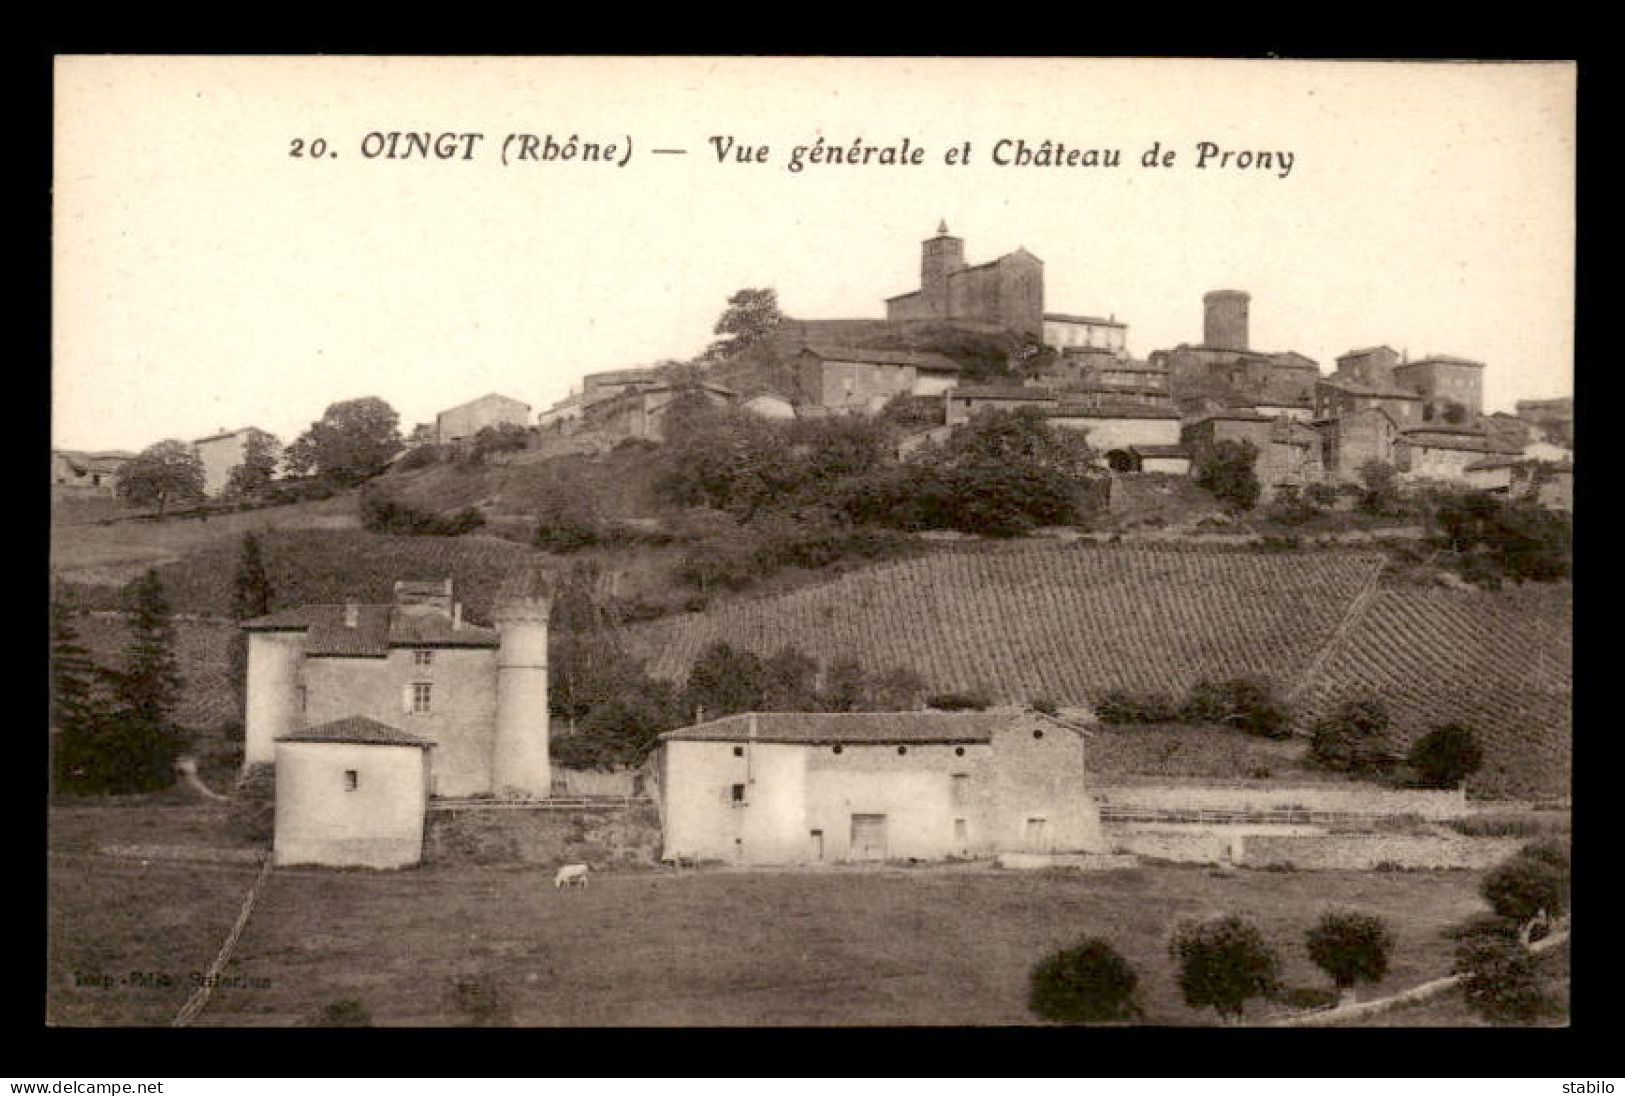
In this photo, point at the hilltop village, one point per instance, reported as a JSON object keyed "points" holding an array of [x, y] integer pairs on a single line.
{"points": [[1307, 425]]}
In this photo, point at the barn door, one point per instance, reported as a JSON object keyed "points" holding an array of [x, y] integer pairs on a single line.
{"points": [[815, 848], [868, 837]]}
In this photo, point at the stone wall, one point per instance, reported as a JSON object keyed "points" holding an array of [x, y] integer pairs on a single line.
{"points": [[1364, 852], [1316, 798], [618, 837]]}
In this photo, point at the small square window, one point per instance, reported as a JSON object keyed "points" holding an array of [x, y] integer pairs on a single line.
{"points": [[352, 780], [739, 751], [422, 658], [739, 793]]}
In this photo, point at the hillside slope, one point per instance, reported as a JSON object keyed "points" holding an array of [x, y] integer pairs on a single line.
{"points": [[1043, 620], [1067, 622]]}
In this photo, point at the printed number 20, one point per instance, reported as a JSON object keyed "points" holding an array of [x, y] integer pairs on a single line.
{"points": [[318, 147]]}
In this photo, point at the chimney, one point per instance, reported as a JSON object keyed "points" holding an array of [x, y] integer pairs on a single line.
{"points": [[352, 614]]}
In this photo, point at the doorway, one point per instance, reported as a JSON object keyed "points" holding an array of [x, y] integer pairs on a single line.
{"points": [[868, 837]]}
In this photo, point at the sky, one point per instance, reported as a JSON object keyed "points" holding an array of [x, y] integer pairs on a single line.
{"points": [[205, 276]]}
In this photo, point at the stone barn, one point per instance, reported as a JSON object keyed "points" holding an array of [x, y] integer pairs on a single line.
{"points": [[811, 788], [351, 793]]}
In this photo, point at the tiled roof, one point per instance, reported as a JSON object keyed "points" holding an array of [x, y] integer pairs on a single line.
{"points": [[358, 730], [1359, 388], [886, 728], [1240, 414], [918, 359], [378, 628], [1005, 392], [1113, 411], [1448, 359], [1463, 440]]}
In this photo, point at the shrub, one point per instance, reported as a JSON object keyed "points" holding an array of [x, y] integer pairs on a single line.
{"points": [[1045, 705], [422, 457], [1291, 507], [382, 514], [1247, 703], [1225, 470], [1350, 948], [1322, 494], [1522, 888], [1087, 984], [1124, 706], [1483, 924], [1223, 964], [1446, 756], [1351, 738], [1552, 851], [1501, 981], [975, 700]]}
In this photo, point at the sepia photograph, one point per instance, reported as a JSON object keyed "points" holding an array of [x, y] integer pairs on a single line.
{"points": [[701, 542]]}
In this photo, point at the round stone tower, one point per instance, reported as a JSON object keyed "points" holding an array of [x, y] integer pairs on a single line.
{"points": [[519, 755], [1224, 319]]}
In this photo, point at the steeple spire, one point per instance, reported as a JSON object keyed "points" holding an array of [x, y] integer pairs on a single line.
{"points": [[942, 227]]}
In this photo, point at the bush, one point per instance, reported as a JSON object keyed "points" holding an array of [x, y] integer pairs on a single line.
{"points": [[1350, 948], [1446, 756], [975, 700], [1246, 703], [1552, 851], [422, 457], [1501, 980], [1351, 739], [382, 514], [1124, 706], [1223, 964], [117, 753], [1087, 984], [1522, 888], [1291, 507], [1483, 924], [1225, 470]]}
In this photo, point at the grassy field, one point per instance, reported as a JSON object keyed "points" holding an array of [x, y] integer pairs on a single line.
{"points": [[115, 553], [143, 927], [868, 948]]}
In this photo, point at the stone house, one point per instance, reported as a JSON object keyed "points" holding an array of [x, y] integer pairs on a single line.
{"points": [[640, 412], [461, 423], [805, 788], [1443, 381], [86, 475], [1338, 396], [863, 379], [1350, 441], [219, 453], [1440, 452], [1113, 428], [965, 402], [1066, 332], [350, 793], [1289, 451]]}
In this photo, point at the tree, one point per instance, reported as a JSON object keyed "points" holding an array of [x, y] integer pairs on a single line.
{"points": [[1225, 470], [1351, 739], [1446, 756], [1246, 703], [250, 598], [1381, 482], [1523, 889], [1224, 963], [1086, 984], [505, 437], [1021, 437], [846, 689], [750, 317], [132, 747], [148, 689], [1500, 980], [1350, 948], [724, 681], [167, 472], [792, 682], [353, 441], [75, 712], [261, 453]]}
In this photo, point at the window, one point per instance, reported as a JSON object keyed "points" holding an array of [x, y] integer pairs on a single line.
{"points": [[738, 795], [423, 658], [422, 698], [352, 779], [961, 789], [739, 751]]}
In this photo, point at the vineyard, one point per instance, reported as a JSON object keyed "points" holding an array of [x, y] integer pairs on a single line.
{"points": [[203, 650], [1064, 622], [1501, 663], [1067, 622]]}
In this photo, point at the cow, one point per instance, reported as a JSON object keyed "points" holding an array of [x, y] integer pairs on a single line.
{"points": [[571, 875]]}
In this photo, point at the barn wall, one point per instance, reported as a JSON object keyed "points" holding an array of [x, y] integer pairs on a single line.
{"points": [[319, 820]]}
